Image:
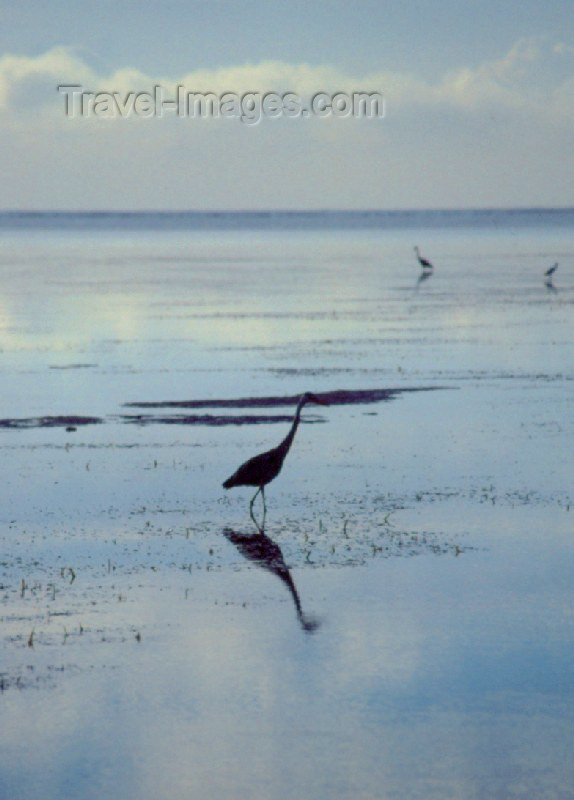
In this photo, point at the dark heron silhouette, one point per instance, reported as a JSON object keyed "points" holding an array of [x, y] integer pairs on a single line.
{"points": [[263, 468], [425, 264], [551, 270], [263, 551]]}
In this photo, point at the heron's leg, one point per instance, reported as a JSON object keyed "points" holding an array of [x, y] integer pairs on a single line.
{"points": [[251, 506], [253, 498], [264, 505]]}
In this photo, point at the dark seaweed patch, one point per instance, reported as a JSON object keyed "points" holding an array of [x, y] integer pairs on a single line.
{"points": [[72, 366], [339, 397], [208, 419], [49, 422]]}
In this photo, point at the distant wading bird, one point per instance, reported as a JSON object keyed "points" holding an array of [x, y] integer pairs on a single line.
{"points": [[262, 469], [423, 261]]}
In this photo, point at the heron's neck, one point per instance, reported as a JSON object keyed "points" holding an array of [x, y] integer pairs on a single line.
{"points": [[288, 440]]}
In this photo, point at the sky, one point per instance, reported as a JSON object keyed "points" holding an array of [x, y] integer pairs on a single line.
{"points": [[478, 102]]}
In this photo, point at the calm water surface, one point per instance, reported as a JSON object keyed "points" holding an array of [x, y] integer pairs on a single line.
{"points": [[404, 626]]}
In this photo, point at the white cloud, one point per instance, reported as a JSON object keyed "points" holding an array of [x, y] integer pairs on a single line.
{"points": [[16, 72], [510, 82], [513, 83], [494, 134]]}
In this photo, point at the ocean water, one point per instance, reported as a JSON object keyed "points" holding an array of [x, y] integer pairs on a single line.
{"points": [[402, 627]]}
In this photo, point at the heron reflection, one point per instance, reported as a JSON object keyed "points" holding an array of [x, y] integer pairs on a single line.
{"points": [[424, 276], [263, 551]]}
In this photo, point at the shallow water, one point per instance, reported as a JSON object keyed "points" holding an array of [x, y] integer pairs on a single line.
{"points": [[404, 628]]}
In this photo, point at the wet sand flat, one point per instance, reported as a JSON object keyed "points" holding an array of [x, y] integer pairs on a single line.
{"points": [[403, 625]]}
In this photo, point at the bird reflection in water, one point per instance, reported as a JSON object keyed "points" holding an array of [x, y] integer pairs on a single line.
{"points": [[263, 551], [424, 276]]}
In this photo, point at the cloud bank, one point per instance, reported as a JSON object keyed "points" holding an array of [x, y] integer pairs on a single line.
{"points": [[497, 134]]}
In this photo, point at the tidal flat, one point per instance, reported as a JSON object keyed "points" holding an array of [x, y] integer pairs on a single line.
{"points": [[403, 625]]}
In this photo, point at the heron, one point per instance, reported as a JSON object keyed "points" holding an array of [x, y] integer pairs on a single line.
{"points": [[425, 264], [551, 270], [263, 468]]}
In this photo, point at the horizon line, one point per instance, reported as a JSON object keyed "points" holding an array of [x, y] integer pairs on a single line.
{"points": [[418, 210]]}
